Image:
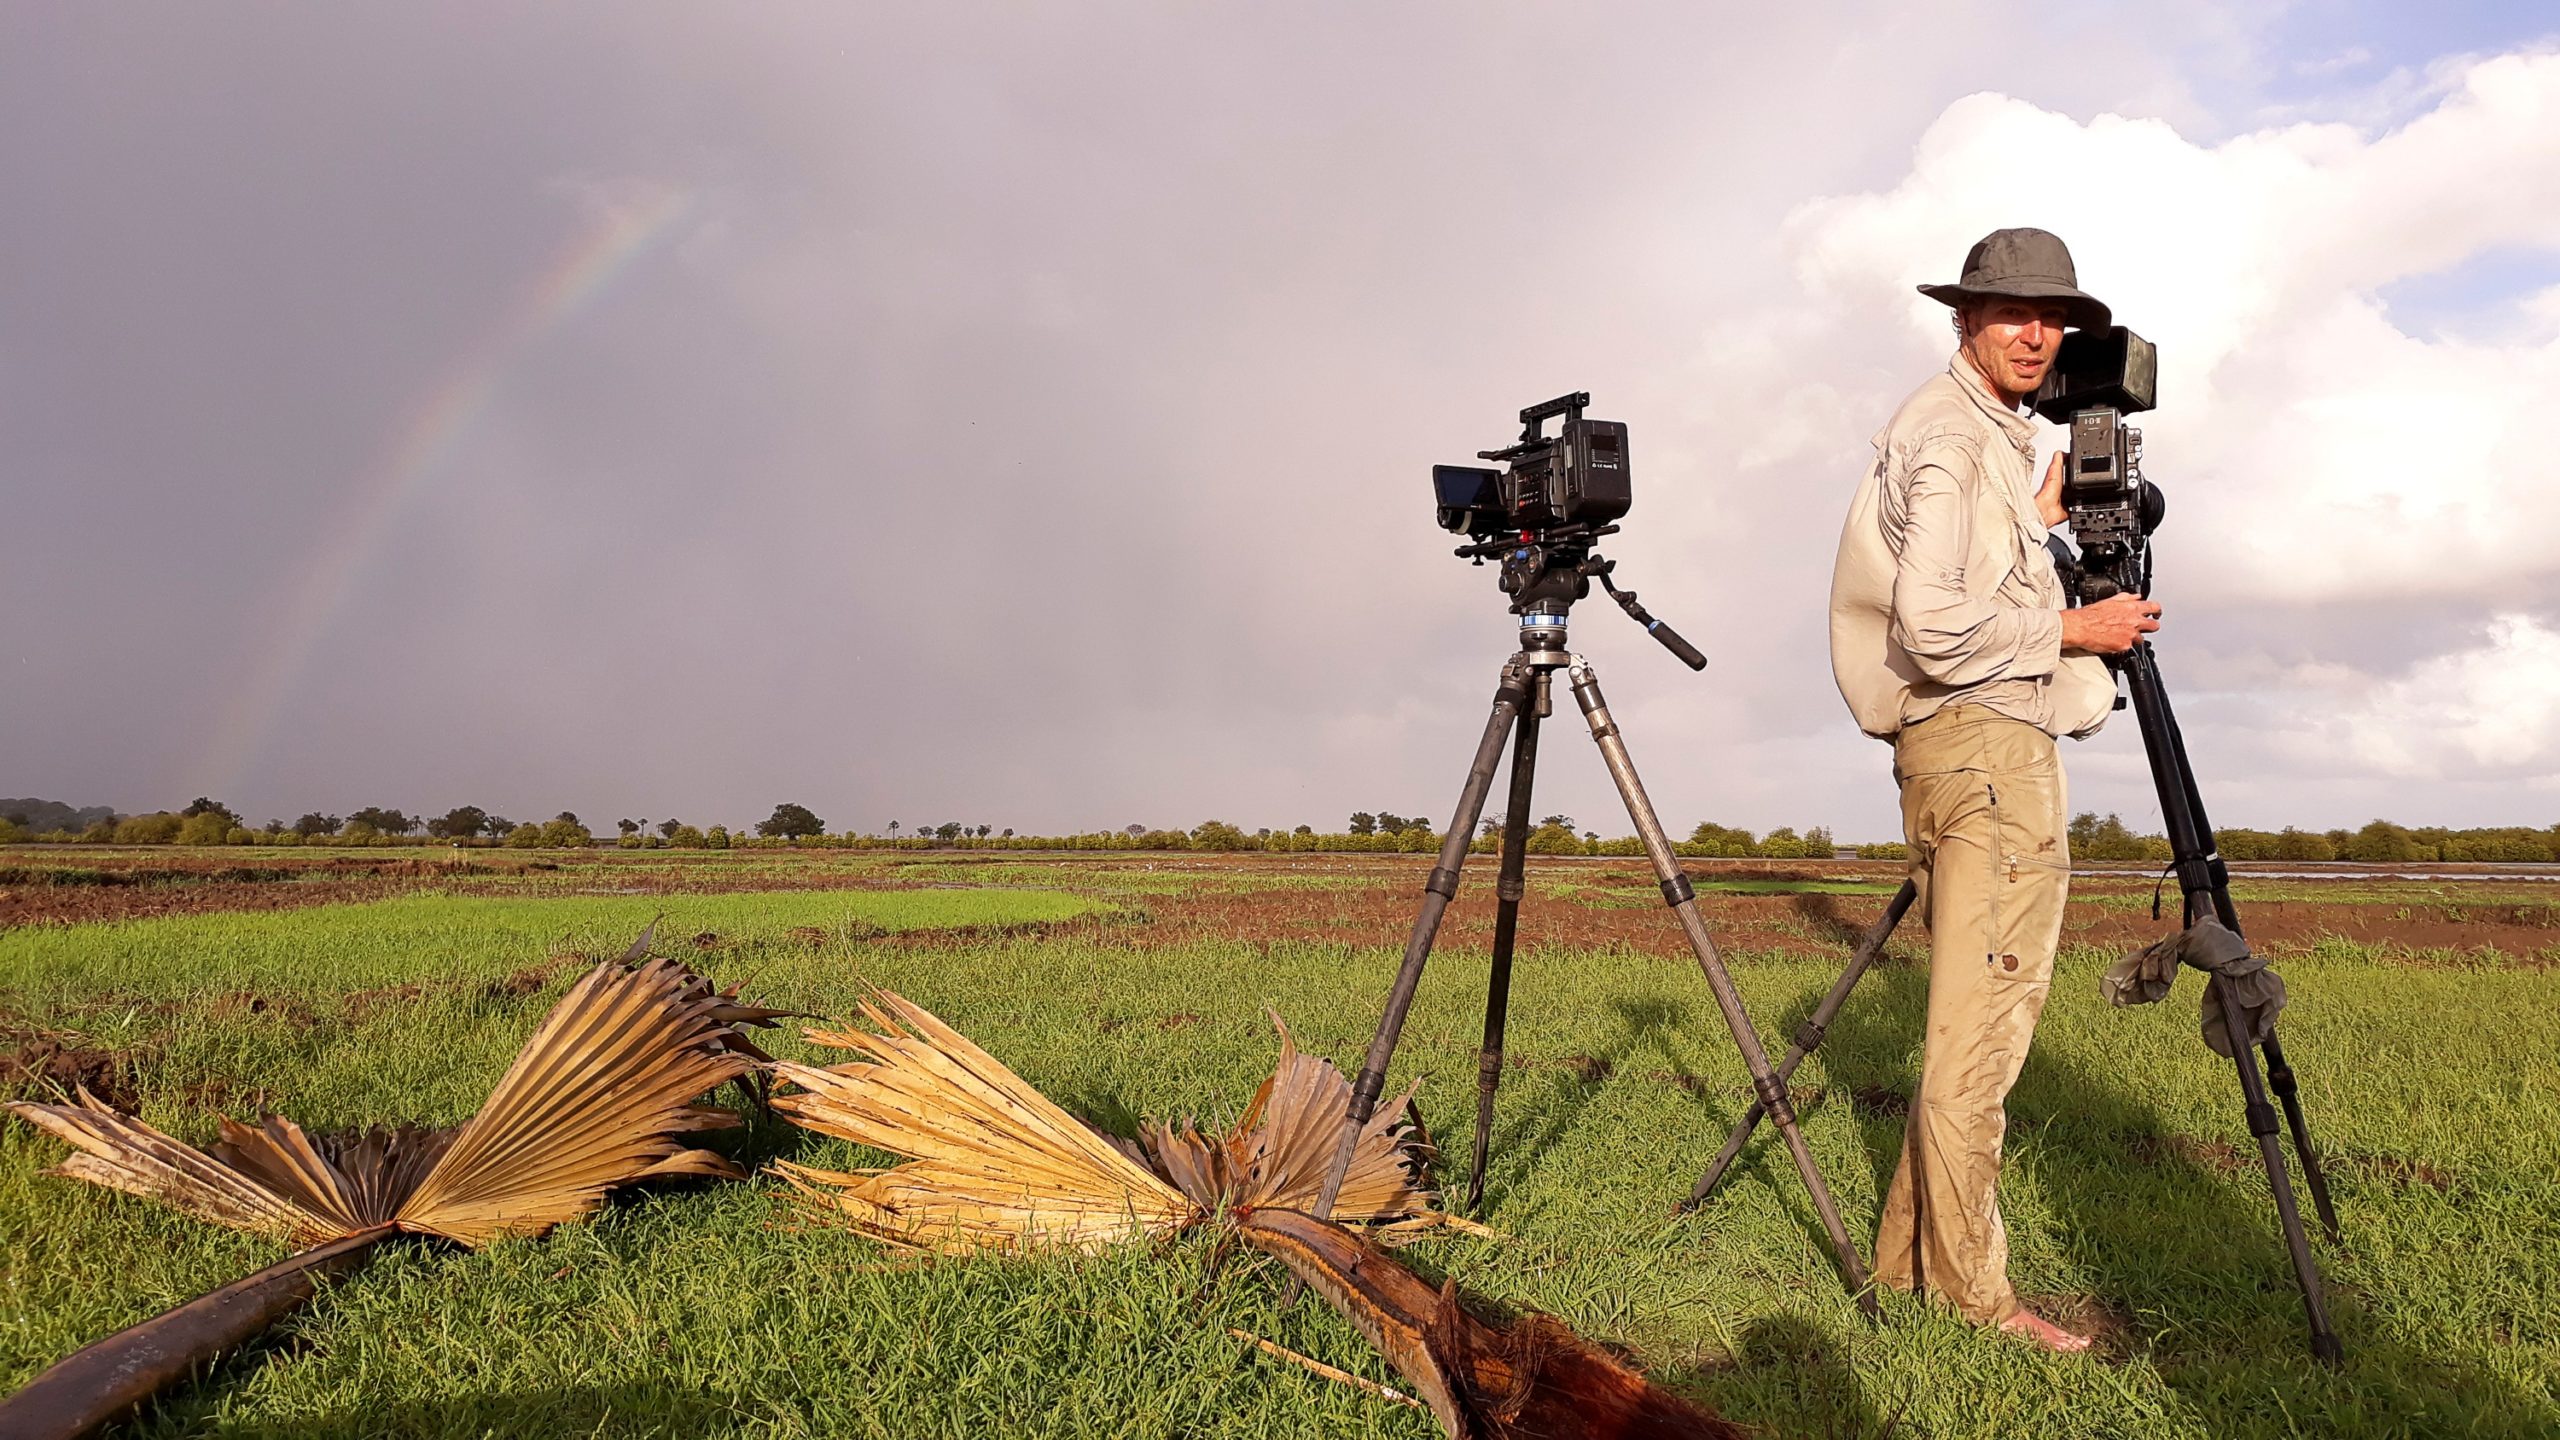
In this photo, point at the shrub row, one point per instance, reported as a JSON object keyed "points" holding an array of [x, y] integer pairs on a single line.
{"points": [[2093, 837]]}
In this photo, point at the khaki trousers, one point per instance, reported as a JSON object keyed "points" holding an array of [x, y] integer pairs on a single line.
{"points": [[1982, 808]]}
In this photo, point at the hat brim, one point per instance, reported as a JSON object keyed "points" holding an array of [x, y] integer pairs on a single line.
{"points": [[2080, 310]]}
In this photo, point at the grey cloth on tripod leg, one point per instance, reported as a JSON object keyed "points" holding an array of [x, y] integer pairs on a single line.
{"points": [[2236, 978], [2143, 976], [2257, 991]]}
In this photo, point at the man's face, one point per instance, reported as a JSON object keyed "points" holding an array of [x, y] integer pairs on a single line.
{"points": [[2012, 342]]}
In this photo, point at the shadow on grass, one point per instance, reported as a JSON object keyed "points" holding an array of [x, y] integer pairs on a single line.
{"points": [[2166, 1229], [1790, 1377], [638, 1410], [1823, 912], [1551, 1112], [1557, 1093]]}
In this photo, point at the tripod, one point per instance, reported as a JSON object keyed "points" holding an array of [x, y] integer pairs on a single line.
{"points": [[1546, 577], [2205, 882]]}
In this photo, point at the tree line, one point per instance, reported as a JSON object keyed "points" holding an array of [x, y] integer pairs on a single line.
{"points": [[210, 822], [2377, 842], [206, 821]]}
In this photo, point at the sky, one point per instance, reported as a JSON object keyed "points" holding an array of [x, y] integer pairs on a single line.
{"points": [[1023, 414]]}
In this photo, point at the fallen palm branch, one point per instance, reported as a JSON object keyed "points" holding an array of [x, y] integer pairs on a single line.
{"points": [[995, 1165], [1529, 1377], [1334, 1373], [595, 1100]]}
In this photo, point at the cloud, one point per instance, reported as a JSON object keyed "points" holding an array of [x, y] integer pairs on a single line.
{"points": [[2320, 461], [2487, 712], [1027, 422], [2310, 447], [2354, 57]]}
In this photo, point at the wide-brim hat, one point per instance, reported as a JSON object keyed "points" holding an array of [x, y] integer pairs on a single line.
{"points": [[2024, 265]]}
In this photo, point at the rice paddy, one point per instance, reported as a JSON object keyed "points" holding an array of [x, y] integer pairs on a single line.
{"points": [[2423, 1023]]}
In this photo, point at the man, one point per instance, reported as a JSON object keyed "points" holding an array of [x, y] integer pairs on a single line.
{"points": [[1949, 638]]}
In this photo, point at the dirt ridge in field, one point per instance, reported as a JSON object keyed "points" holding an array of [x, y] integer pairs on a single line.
{"points": [[1348, 900]]}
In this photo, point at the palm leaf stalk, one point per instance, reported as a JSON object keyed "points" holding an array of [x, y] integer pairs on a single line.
{"points": [[597, 1099], [995, 1165]]}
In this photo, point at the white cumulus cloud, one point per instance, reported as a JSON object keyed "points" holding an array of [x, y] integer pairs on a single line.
{"points": [[2490, 711], [2313, 448], [2345, 486]]}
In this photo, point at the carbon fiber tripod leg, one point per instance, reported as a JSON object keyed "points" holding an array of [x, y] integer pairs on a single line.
{"points": [[2217, 892], [1442, 885], [1808, 1036], [1683, 899], [1506, 927], [2314, 1176], [2203, 881]]}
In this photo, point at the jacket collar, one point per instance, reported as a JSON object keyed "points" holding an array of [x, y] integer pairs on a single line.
{"points": [[2018, 425]]}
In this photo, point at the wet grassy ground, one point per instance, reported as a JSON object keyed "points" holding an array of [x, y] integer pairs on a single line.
{"points": [[1135, 987]]}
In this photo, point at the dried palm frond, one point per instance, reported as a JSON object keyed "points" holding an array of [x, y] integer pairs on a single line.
{"points": [[354, 1182], [995, 1165], [1277, 1152], [593, 1101], [998, 1166], [121, 1153]]}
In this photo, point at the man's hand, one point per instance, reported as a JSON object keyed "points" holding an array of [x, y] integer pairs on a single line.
{"points": [[2049, 495], [2111, 626]]}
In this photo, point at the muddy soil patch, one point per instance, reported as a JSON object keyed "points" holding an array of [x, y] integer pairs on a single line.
{"points": [[87, 904], [2113, 1337], [53, 1065], [532, 979], [2520, 934], [1878, 1103], [2219, 1156], [2396, 1172], [1594, 913], [1382, 914]]}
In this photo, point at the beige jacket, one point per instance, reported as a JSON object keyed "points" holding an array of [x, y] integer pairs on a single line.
{"points": [[1943, 593]]}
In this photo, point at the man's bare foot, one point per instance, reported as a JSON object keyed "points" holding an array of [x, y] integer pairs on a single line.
{"points": [[2031, 1326]]}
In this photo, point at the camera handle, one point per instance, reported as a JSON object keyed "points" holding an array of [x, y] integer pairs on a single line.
{"points": [[1563, 544], [1688, 654], [1534, 417]]}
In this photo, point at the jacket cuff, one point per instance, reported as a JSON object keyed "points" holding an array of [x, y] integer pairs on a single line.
{"points": [[2040, 648]]}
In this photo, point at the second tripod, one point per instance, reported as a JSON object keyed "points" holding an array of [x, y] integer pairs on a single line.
{"points": [[1520, 702]]}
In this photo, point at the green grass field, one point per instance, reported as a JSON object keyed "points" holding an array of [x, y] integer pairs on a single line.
{"points": [[711, 1310]]}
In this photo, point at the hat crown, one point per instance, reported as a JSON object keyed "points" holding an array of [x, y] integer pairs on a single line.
{"points": [[2005, 257], [2024, 264]]}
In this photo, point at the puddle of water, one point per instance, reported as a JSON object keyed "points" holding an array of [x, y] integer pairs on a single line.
{"points": [[2547, 874]]}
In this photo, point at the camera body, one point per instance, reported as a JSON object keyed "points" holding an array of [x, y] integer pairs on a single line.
{"points": [[1576, 478], [2098, 378]]}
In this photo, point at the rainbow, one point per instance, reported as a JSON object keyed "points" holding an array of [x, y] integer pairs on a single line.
{"points": [[429, 431]]}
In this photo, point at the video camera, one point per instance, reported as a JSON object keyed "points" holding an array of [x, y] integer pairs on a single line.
{"points": [[1542, 516], [1577, 477], [2098, 378]]}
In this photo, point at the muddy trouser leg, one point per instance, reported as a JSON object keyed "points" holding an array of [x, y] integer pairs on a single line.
{"points": [[1982, 806]]}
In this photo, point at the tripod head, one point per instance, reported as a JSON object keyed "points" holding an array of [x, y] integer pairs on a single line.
{"points": [[1544, 572]]}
